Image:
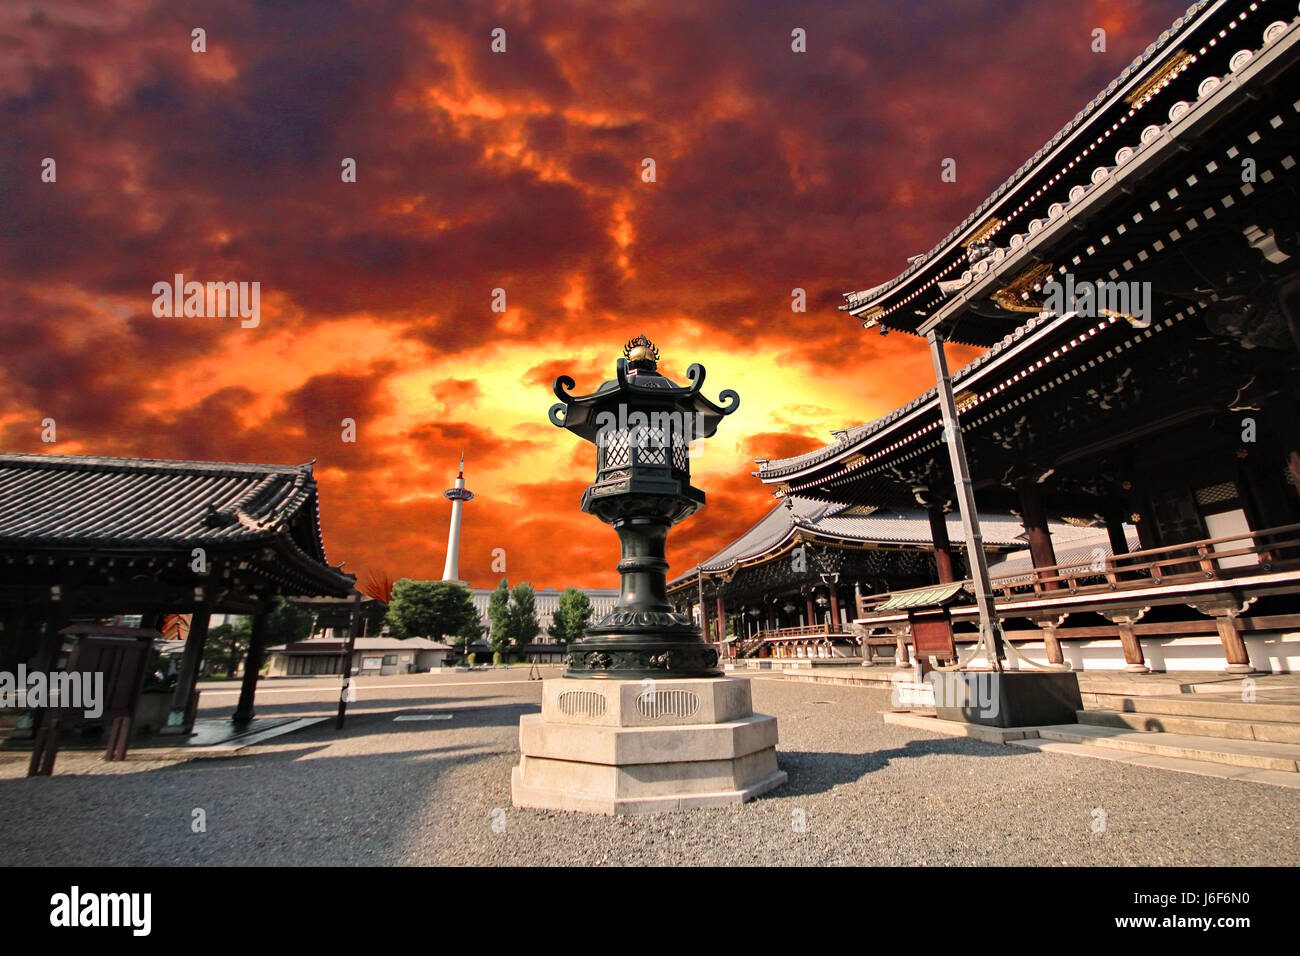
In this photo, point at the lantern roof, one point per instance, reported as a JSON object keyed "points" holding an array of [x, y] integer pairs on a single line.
{"points": [[639, 387]]}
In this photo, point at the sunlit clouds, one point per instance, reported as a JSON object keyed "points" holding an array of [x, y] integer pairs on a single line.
{"points": [[477, 171]]}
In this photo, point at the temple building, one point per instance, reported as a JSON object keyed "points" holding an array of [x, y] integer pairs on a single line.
{"points": [[88, 542], [789, 586], [1136, 286]]}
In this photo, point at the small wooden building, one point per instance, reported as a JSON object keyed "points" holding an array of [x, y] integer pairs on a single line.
{"points": [[88, 539]]}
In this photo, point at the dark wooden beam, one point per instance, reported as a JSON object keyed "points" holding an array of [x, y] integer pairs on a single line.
{"points": [[180, 720], [252, 667]]}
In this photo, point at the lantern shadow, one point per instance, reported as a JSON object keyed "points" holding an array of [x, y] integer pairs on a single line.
{"points": [[813, 771]]}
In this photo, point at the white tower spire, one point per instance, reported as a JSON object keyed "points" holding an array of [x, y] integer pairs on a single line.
{"points": [[458, 495]]}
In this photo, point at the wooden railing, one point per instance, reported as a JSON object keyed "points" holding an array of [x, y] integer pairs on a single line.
{"points": [[806, 630], [1271, 549]]}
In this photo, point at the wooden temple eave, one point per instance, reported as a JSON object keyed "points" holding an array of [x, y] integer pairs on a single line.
{"points": [[1186, 131], [1178, 61], [1200, 51], [131, 578], [1042, 342], [1031, 380], [993, 379], [764, 578], [996, 446]]}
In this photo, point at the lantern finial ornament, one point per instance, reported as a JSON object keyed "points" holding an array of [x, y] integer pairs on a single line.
{"points": [[641, 353]]}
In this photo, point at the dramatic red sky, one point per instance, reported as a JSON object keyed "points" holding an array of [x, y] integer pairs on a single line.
{"points": [[475, 171]]}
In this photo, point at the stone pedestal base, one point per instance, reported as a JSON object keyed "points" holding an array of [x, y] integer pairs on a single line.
{"points": [[616, 746], [1008, 698]]}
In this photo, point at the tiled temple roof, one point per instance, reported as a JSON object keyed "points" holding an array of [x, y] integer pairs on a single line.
{"points": [[852, 525], [137, 502]]}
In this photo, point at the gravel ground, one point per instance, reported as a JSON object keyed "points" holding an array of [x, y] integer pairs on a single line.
{"points": [[860, 793]]}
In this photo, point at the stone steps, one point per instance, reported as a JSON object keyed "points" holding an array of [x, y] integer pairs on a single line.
{"points": [[1203, 768], [1088, 742], [871, 677], [1207, 706], [1229, 728], [1254, 754]]}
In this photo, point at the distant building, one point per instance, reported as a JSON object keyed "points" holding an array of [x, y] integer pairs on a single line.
{"points": [[370, 656], [548, 601]]}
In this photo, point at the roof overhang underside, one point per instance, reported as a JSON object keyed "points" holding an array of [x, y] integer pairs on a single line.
{"points": [[1190, 68], [1176, 215]]}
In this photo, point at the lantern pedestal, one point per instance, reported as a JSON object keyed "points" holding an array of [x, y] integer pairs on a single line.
{"points": [[623, 746]]}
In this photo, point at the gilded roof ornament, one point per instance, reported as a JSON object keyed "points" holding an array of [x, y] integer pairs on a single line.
{"points": [[641, 353]]}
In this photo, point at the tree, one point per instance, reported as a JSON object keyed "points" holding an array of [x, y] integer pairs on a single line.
{"points": [[286, 624], [226, 646], [373, 616], [523, 615], [571, 616], [433, 609], [499, 616]]}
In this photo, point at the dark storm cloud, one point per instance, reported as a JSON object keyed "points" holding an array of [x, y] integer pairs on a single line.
{"points": [[479, 171]]}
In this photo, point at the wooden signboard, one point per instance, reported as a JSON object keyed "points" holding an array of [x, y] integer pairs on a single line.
{"points": [[932, 637]]}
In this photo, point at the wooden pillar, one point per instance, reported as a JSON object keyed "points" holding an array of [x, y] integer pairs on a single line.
{"points": [[354, 623], [704, 610], [942, 546], [1034, 516], [1140, 503], [812, 612], [1226, 621], [1234, 647], [1134, 661], [901, 656], [1050, 641], [834, 624], [46, 722], [181, 719], [252, 666], [1115, 517], [722, 619]]}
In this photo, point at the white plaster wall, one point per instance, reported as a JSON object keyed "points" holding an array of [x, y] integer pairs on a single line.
{"points": [[1274, 653]]}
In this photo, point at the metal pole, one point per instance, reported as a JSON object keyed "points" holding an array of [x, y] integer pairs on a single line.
{"points": [[990, 629]]}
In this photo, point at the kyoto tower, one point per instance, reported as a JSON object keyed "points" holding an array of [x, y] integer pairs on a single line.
{"points": [[458, 495]]}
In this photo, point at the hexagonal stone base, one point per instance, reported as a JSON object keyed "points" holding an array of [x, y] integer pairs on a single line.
{"points": [[644, 747]]}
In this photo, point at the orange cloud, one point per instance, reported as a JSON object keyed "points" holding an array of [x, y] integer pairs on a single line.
{"points": [[479, 171]]}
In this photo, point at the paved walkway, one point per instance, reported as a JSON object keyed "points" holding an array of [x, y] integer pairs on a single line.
{"points": [[437, 791]]}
